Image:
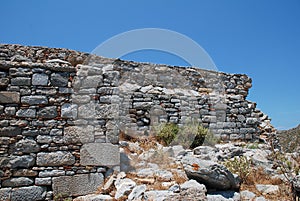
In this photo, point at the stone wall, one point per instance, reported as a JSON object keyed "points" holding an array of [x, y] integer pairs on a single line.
{"points": [[62, 111]]}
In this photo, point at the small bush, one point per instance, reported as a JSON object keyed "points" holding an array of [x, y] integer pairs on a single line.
{"points": [[167, 132], [239, 165], [192, 134]]}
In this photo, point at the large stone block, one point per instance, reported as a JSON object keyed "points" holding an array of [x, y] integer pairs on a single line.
{"points": [[40, 79], [102, 154], [25, 146], [79, 134], [32, 193], [82, 184], [21, 81], [47, 112], [16, 182], [10, 131], [9, 97], [25, 161], [59, 79], [69, 110], [34, 100], [30, 113], [58, 158]]}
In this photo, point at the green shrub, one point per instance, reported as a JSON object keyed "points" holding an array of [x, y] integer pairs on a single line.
{"points": [[239, 165], [166, 132], [192, 134]]}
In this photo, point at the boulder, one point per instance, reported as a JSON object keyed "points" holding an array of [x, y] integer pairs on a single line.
{"points": [[213, 175]]}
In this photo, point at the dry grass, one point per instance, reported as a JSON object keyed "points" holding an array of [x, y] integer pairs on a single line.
{"points": [[258, 176]]}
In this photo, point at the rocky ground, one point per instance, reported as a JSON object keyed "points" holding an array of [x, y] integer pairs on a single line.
{"points": [[224, 172]]}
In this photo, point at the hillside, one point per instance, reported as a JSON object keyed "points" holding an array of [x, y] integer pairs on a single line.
{"points": [[290, 139]]}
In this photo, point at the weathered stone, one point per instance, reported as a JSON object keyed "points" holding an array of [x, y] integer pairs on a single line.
{"points": [[47, 112], [21, 81], [251, 121], [82, 184], [34, 100], [30, 113], [47, 181], [5, 194], [65, 90], [96, 154], [10, 131], [44, 139], [9, 97], [247, 195], [158, 195], [17, 182], [58, 158], [137, 192], [81, 98], [193, 184], [32, 193], [40, 79], [69, 110], [56, 132], [267, 189], [212, 174], [52, 173], [124, 187], [59, 79], [92, 81], [25, 161], [4, 82], [79, 134], [26, 146], [94, 197], [25, 173], [10, 111]]}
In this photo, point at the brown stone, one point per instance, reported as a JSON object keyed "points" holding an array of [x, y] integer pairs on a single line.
{"points": [[9, 97]]}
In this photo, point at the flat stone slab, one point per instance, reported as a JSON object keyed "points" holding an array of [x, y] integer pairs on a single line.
{"points": [[77, 185], [58, 158], [101, 154], [9, 97]]}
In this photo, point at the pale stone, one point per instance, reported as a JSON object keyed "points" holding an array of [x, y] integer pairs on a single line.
{"points": [[100, 154], [81, 184]]}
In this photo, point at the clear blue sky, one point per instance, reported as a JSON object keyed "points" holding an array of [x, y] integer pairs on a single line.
{"points": [[260, 38]]}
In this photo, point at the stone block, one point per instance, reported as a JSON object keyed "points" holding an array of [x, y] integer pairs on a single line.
{"points": [[52, 173], [32, 193], [9, 97], [21, 81], [100, 154], [26, 146], [77, 185], [79, 134], [47, 112], [10, 131], [30, 113], [34, 100], [69, 110], [59, 79], [25, 173], [40, 79], [43, 181], [5, 193], [58, 158], [25, 161], [17, 182], [4, 82]]}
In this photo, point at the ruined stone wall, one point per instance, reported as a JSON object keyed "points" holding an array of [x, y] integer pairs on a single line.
{"points": [[61, 113]]}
